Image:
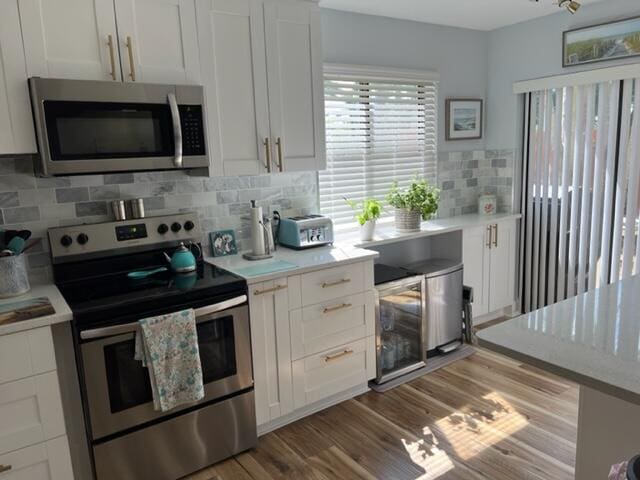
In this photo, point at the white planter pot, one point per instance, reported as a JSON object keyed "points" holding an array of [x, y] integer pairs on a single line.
{"points": [[367, 230], [407, 220]]}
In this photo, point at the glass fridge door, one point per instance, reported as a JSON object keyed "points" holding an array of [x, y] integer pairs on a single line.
{"points": [[400, 328]]}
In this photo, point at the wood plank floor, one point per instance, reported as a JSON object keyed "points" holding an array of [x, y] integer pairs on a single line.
{"points": [[484, 417]]}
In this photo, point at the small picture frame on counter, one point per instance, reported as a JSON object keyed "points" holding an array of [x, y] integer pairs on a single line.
{"points": [[223, 243], [487, 204]]}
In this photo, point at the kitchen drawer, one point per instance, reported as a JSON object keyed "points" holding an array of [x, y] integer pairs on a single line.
{"points": [[332, 283], [333, 371], [24, 354], [45, 461], [334, 322], [30, 411]]}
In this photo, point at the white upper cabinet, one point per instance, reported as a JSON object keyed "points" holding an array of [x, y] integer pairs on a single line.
{"points": [[70, 39], [16, 125], [296, 99], [231, 34], [158, 41]]}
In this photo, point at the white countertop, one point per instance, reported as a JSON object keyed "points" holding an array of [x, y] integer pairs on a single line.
{"points": [[291, 262], [386, 233], [592, 339], [50, 291]]}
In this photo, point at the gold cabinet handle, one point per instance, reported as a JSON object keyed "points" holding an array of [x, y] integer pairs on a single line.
{"points": [[279, 145], [132, 68], [336, 308], [5, 468], [490, 232], [495, 237], [335, 284], [267, 154], [336, 356], [270, 290], [112, 57]]}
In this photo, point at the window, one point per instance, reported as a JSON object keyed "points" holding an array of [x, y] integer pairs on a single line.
{"points": [[380, 127]]}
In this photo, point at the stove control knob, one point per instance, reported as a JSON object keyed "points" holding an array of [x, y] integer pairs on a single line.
{"points": [[83, 238], [162, 228], [176, 227], [66, 241], [188, 225]]}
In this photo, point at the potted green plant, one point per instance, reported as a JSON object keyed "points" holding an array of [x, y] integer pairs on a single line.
{"points": [[418, 200], [366, 214]]}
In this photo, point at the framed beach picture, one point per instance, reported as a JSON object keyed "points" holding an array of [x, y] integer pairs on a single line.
{"points": [[464, 118], [223, 243], [598, 43]]}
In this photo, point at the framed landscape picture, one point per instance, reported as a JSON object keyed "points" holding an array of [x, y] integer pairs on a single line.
{"points": [[597, 43], [223, 243], [464, 118]]}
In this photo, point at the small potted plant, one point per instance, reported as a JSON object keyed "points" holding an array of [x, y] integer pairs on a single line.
{"points": [[418, 200], [366, 214]]}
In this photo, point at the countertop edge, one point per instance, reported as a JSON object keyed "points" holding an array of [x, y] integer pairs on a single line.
{"points": [[571, 375]]}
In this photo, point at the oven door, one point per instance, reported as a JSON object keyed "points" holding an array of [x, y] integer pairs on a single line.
{"points": [[118, 391]]}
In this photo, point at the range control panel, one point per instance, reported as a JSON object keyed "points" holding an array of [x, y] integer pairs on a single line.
{"points": [[68, 243]]}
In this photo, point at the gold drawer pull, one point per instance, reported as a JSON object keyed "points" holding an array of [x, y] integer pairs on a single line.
{"points": [[270, 290], [336, 356], [336, 308], [5, 468], [335, 284]]}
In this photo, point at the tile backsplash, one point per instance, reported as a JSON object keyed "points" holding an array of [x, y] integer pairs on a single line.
{"points": [[38, 204], [42, 203]]}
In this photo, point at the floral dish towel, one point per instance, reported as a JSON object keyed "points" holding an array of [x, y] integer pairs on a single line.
{"points": [[168, 347]]}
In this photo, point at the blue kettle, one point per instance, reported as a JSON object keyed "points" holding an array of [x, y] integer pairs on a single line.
{"points": [[182, 260]]}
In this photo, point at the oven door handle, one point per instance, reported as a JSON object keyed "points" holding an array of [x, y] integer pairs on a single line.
{"points": [[177, 129], [134, 326]]}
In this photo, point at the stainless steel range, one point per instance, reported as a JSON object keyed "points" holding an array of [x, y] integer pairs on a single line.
{"points": [[129, 439]]}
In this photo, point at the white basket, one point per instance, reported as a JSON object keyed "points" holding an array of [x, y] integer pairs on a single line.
{"points": [[407, 220]]}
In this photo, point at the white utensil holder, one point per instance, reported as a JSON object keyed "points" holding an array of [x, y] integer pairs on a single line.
{"points": [[14, 279]]}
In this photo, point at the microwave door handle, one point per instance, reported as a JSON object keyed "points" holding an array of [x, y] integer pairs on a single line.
{"points": [[135, 326], [177, 129]]}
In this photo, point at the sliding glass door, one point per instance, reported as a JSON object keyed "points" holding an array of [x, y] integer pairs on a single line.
{"points": [[581, 188]]}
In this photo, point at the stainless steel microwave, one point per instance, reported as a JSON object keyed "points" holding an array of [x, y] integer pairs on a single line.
{"points": [[86, 127]]}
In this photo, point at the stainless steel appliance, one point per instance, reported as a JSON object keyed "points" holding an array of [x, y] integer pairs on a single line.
{"points": [[305, 231], [444, 294], [128, 438], [86, 126], [401, 327]]}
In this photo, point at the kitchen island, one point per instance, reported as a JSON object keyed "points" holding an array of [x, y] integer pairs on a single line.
{"points": [[592, 339]]}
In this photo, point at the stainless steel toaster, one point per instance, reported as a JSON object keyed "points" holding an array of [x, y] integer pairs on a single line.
{"points": [[305, 231]]}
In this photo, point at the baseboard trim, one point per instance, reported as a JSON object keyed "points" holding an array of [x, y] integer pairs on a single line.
{"points": [[311, 409]]}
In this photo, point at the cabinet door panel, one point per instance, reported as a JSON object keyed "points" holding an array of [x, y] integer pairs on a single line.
{"points": [[503, 269], [68, 38], [46, 461], [16, 124], [294, 67], [164, 41], [271, 347], [476, 257], [231, 33]]}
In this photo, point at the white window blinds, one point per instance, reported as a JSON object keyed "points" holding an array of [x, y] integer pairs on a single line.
{"points": [[377, 131], [581, 190]]}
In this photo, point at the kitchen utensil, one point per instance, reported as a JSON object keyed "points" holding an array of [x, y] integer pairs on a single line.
{"points": [[30, 245], [119, 210], [182, 260], [24, 234], [136, 206], [16, 245], [8, 235], [140, 274]]}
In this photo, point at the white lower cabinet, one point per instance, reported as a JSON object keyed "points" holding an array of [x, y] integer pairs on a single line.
{"points": [[271, 347], [333, 371], [311, 343], [489, 256], [33, 441], [45, 461]]}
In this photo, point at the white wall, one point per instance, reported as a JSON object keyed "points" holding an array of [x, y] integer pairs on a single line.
{"points": [[533, 49], [459, 55]]}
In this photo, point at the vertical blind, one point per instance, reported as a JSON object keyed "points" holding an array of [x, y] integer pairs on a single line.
{"points": [[377, 132], [580, 190]]}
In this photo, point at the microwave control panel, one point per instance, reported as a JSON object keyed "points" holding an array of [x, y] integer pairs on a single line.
{"points": [[192, 124]]}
